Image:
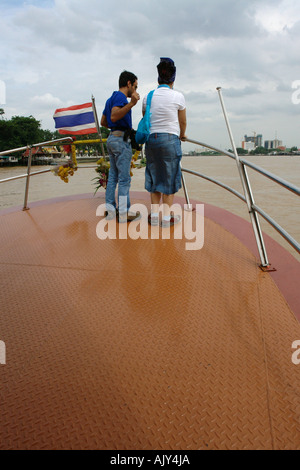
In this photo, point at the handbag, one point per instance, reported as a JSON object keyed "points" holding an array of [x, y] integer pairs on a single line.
{"points": [[143, 130], [130, 134]]}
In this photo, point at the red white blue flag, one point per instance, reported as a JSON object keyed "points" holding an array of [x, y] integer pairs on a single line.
{"points": [[78, 119]]}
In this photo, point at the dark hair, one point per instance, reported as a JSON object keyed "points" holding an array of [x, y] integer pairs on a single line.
{"points": [[166, 72], [126, 77]]}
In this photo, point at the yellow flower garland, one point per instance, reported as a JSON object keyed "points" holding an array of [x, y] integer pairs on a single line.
{"points": [[134, 159], [68, 169], [74, 160], [102, 169], [64, 172]]}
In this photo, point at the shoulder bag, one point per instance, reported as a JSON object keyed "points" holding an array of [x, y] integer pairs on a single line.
{"points": [[143, 130]]}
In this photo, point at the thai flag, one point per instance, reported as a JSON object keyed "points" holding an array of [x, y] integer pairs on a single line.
{"points": [[78, 119]]}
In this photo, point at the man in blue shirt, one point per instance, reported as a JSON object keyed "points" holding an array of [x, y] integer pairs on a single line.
{"points": [[117, 117]]}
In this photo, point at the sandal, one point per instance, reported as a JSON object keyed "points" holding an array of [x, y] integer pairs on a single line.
{"points": [[127, 217], [153, 220], [174, 220]]}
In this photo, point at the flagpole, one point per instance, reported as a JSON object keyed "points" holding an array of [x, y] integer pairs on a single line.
{"points": [[97, 125]]}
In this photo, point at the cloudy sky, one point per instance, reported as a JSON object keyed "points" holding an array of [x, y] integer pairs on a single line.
{"points": [[56, 53]]}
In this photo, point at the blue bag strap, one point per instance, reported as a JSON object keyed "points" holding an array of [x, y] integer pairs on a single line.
{"points": [[149, 98], [150, 94]]}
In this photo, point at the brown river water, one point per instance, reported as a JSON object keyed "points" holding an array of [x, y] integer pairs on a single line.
{"points": [[282, 205]]}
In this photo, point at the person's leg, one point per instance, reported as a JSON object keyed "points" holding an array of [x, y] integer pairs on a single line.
{"points": [[153, 217], [169, 219], [172, 157], [155, 200], [167, 201], [123, 163], [110, 194]]}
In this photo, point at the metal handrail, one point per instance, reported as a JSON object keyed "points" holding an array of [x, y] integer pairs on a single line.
{"points": [[278, 227], [212, 180], [254, 207], [271, 176], [48, 142], [11, 178], [27, 176], [286, 184]]}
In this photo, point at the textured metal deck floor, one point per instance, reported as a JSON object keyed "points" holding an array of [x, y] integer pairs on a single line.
{"points": [[139, 344]]}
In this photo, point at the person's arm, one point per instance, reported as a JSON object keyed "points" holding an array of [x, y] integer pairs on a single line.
{"points": [[118, 113], [144, 105], [182, 123], [104, 122]]}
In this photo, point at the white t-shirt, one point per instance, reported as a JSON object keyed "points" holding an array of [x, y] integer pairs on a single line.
{"points": [[164, 110]]}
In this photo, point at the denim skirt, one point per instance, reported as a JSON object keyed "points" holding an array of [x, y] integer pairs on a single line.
{"points": [[163, 156]]}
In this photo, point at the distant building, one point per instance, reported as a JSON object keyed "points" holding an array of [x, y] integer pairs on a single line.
{"points": [[277, 143], [272, 144], [8, 160], [257, 140], [268, 144], [248, 146]]}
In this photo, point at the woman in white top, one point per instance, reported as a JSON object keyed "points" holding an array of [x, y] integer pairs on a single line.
{"points": [[163, 149]]}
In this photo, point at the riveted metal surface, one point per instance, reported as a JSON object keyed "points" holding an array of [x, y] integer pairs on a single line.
{"points": [[140, 344]]}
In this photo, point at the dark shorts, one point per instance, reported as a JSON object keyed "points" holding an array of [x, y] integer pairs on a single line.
{"points": [[163, 154]]}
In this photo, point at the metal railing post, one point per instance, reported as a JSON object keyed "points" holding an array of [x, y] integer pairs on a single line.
{"points": [[188, 206], [248, 193], [25, 208]]}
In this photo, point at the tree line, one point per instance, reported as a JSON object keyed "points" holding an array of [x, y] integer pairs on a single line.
{"points": [[262, 151]]}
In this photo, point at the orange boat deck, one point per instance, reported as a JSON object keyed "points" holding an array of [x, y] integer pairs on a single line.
{"points": [[140, 344]]}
